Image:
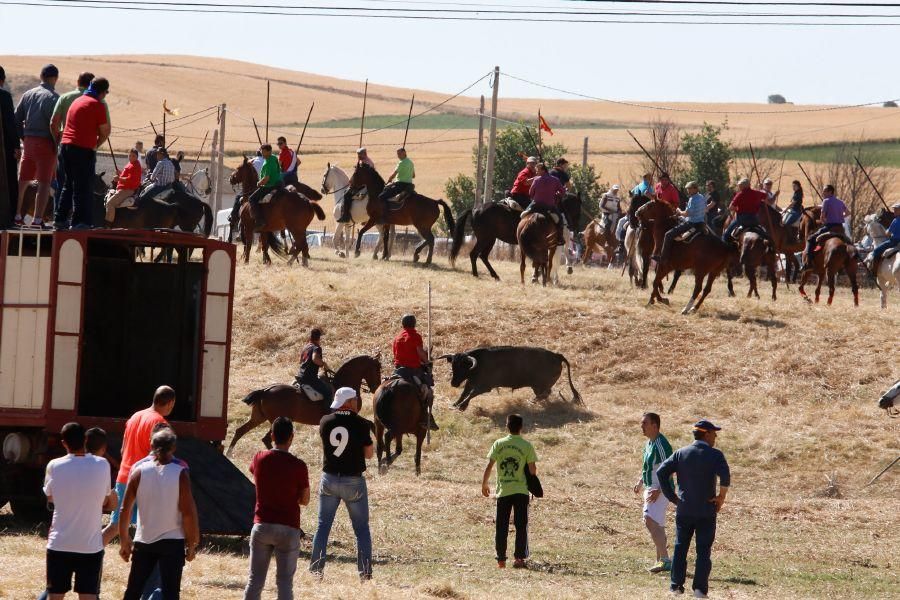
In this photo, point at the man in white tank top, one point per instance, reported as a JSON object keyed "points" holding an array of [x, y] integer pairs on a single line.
{"points": [[167, 526]]}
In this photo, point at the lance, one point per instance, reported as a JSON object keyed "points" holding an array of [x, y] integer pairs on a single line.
{"points": [[303, 133], [258, 137], [113, 155], [362, 121], [408, 119], [869, 179]]}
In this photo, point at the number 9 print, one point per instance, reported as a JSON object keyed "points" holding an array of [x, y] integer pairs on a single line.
{"points": [[339, 438]]}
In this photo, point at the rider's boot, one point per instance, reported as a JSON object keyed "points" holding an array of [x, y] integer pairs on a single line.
{"points": [[560, 236], [345, 210], [257, 213], [427, 421]]}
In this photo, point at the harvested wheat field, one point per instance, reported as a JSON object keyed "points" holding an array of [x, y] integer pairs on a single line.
{"points": [[794, 387]]}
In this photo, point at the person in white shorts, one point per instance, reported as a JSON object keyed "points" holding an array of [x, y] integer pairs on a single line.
{"points": [[656, 451]]}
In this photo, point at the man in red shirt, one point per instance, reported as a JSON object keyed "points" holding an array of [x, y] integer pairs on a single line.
{"points": [[87, 128], [411, 363], [282, 487], [127, 183], [288, 161], [745, 206], [666, 192], [522, 185]]}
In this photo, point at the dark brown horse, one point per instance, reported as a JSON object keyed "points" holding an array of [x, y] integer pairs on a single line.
{"points": [[287, 209], [398, 412], [417, 210], [835, 256], [756, 251], [537, 237], [639, 240], [707, 256], [267, 404], [490, 222]]}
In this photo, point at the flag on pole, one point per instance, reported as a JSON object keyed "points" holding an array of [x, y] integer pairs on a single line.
{"points": [[169, 111], [544, 125]]}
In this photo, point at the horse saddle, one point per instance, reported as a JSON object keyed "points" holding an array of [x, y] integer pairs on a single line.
{"points": [[397, 202], [541, 211], [891, 252], [269, 196], [691, 234], [823, 237], [126, 203], [395, 379], [511, 204], [757, 229]]}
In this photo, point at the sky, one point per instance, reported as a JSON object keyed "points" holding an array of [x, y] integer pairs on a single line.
{"points": [[662, 62]]}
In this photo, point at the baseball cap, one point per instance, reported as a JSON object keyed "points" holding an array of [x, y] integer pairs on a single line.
{"points": [[361, 150], [342, 397], [704, 425], [49, 71], [767, 181], [895, 206], [531, 159], [743, 181], [616, 186]]}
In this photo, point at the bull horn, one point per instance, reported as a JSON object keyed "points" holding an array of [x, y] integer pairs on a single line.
{"points": [[443, 356], [474, 362]]}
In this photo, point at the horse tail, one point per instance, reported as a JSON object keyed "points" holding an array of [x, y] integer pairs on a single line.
{"points": [[576, 397], [448, 215], [207, 219], [459, 234], [383, 405], [275, 244], [320, 214], [253, 397]]}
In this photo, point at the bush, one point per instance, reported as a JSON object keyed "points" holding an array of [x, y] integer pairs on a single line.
{"points": [[511, 141], [777, 99], [460, 192], [890, 104], [585, 180], [710, 155]]}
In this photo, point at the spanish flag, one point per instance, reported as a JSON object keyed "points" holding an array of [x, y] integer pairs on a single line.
{"points": [[543, 124], [172, 111]]}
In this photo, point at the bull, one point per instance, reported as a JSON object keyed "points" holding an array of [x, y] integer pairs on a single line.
{"points": [[486, 369]]}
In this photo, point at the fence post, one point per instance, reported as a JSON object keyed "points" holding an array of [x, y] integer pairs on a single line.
{"points": [[213, 170], [492, 141], [584, 153], [220, 158], [479, 169]]}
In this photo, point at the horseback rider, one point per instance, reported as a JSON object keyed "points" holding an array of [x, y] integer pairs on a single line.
{"points": [[404, 173], [159, 143], [714, 211], [362, 156], [833, 212], [644, 187], [771, 197], [411, 364], [546, 192], [561, 172], [893, 241], [288, 161], [522, 184], [794, 211], [162, 177], [667, 192], [269, 179], [695, 214], [745, 204], [610, 208], [310, 362], [127, 183]]}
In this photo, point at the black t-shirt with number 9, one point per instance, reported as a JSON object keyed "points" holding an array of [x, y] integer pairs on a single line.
{"points": [[344, 436]]}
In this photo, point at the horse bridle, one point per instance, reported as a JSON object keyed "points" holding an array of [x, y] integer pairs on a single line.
{"points": [[335, 191]]}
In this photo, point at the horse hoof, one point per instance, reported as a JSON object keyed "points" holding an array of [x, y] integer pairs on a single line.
{"points": [[342, 255], [664, 301], [569, 270], [356, 254]]}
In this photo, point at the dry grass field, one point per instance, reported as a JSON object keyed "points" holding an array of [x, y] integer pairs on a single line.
{"points": [[794, 387], [141, 82]]}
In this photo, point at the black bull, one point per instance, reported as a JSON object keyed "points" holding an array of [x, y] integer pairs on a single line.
{"points": [[486, 369]]}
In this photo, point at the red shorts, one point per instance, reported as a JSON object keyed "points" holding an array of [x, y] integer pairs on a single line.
{"points": [[38, 160]]}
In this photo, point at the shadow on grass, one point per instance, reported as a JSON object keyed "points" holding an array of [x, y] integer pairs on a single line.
{"points": [[13, 525], [552, 413]]}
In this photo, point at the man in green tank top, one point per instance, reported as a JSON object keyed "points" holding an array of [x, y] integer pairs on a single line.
{"points": [[401, 180]]}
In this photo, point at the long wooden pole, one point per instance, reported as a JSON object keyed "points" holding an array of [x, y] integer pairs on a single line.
{"points": [[362, 121], [492, 141], [428, 351], [268, 93], [540, 144], [258, 137], [755, 167], [154, 128], [303, 133], [479, 165], [584, 153], [883, 471], [202, 144], [113, 155], [869, 179], [648, 155], [811, 184], [408, 119], [220, 158]]}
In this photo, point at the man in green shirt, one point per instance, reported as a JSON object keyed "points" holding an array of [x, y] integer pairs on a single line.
{"points": [[404, 175], [269, 179], [656, 450], [513, 455]]}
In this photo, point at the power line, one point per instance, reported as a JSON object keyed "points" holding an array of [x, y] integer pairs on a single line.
{"points": [[744, 3]]}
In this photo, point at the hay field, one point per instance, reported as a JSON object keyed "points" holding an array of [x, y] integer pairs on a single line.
{"points": [[189, 83], [794, 387]]}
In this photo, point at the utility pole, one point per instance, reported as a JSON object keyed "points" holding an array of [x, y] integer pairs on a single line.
{"points": [[492, 142], [220, 170], [268, 92], [214, 177], [584, 153], [5, 200], [479, 168]]}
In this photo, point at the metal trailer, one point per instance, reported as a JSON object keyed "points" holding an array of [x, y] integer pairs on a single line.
{"points": [[90, 326]]}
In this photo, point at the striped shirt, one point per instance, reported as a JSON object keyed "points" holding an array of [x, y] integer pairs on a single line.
{"points": [[655, 452], [163, 172]]}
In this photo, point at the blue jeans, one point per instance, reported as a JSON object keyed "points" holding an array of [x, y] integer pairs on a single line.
{"points": [[744, 220], [352, 490], [884, 247], [152, 589], [284, 542], [686, 527]]}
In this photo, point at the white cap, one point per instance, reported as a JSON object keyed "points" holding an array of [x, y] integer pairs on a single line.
{"points": [[342, 397], [531, 159], [361, 150], [895, 206], [616, 186], [744, 181], [767, 181]]}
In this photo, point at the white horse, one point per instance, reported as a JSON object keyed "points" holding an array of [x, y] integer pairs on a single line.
{"points": [[199, 183], [888, 275], [335, 181], [562, 256]]}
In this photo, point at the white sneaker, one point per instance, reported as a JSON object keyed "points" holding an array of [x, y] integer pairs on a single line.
{"points": [[699, 594], [677, 592]]}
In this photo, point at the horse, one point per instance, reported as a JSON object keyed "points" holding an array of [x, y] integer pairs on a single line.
{"points": [[638, 243], [706, 255], [199, 183], [536, 235], [595, 237], [889, 399], [398, 411], [835, 256], [490, 222], [267, 404], [336, 181], [415, 209], [178, 209], [287, 209], [570, 206], [756, 250], [888, 275]]}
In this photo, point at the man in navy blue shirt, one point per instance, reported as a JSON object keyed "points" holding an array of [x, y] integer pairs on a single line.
{"points": [[697, 466]]}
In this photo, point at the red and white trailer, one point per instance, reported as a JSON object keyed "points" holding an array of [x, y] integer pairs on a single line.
{"points": [[90, 326]]}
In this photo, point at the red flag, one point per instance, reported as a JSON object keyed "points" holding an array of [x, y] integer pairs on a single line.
{"points": [[544, 126]]}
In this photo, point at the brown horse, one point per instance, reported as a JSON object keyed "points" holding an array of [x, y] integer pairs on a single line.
{"points": [[417, 210], [537, 239], [706, 255], [835, 256], [595, 236], [282, 400], [398, 411], [491, 222], [649, 219], [756, 251], [287, 209]]}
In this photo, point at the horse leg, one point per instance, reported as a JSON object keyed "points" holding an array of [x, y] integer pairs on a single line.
{"points": [[485, 258], [698, 284], [398, 444], [706, 290], [675, 277], [854, 286], [386, 238], [255, 420], [359, 236], [303, 248], [774, 279], [522, 265], [428, 240], [420, 437], [819, 280], [379, 444]]}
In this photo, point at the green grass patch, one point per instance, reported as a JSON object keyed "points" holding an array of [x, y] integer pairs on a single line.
{"points": [[442, 121], [884, 152]]}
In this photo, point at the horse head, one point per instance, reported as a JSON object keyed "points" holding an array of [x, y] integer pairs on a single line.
{"points": [[885, 217], [571, 207], [325, 187]]}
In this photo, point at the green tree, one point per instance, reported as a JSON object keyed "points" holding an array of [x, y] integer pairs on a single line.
{"points": [[507, 161], [709, 154], [460, 192], [586, 179]]}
